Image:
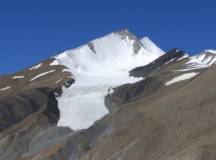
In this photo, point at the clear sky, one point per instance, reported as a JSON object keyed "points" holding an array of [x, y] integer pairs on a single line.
{"points": [[33, 30]]}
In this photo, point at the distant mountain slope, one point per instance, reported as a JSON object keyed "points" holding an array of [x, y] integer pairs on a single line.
{"points": [[117, 97]]}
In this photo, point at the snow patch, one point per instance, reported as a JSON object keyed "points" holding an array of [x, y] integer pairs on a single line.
{"points": [[181, 78], [5, 88], [54, 63], [36, 67], [183, 57], [18, 77], [59, 80], [201, 57], [207, 60], [42, 74], [66, 70], [169, 61], [213, 60]]}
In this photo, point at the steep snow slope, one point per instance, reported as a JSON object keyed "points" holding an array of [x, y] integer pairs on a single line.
{"points": [[203, 60], [151, 46], [97, 67], [193, 63], [207, 57]]}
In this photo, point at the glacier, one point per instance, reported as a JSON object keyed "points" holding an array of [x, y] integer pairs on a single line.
{"points": [[97, 67]]}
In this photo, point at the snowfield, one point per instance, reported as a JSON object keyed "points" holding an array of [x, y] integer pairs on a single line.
{"points": [[97, 68], [18, 77], [181, 78], [5, 88], [36, 67]]}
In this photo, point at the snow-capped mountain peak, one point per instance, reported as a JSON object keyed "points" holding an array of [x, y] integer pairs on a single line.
{"points": [[98, 66], [117, 51]]}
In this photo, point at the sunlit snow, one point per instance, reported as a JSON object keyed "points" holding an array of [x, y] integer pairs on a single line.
{"points": [[169, 61], [181, 78], [96, 71], [211, 51], [66, 70], [151, 46], [183, 57], [42, 74], [5, 88], [36, 67], [59, 80], [54, 63], [192, 64], [18, 77]]}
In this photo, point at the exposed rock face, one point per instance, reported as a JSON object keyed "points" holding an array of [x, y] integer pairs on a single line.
{"points": [[30, 91], [18, 106], [131, 92], [15, 140], [91, 46], [29, 108], [125, 34], [144, 70]]}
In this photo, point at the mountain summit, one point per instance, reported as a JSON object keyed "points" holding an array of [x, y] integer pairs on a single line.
{"points": [[116, 97]]}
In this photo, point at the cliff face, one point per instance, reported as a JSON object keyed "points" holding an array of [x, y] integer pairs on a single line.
{"points": [[28, 107]]}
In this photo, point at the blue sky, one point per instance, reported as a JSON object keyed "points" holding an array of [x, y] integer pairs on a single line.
{"points": [[31, 31]]}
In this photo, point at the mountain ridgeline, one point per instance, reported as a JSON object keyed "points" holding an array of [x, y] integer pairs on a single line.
{"points": [[115, 98]]}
